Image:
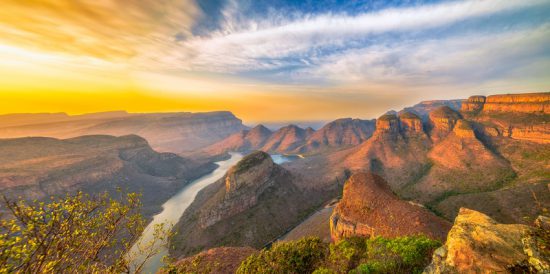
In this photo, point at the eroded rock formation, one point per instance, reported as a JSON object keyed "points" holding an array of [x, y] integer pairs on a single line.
{"points": [[369, 208], [478, 244]]}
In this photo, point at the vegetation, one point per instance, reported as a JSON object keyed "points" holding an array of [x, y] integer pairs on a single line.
{"points": [[74, 234], [409, 254]]}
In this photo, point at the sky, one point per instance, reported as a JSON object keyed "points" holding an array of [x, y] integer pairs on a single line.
{"points": [[267, 60]]}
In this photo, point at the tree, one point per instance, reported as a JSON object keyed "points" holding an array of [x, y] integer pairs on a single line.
{"points": [[77, 233]]}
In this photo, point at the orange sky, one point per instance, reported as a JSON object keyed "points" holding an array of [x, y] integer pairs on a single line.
{"points": [[79, 56]]}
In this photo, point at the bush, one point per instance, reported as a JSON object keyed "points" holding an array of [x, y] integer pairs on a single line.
{"points": [[409, 254], [301, 256], [75, 234]]}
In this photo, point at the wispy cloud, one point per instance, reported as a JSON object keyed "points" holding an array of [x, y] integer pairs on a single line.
{"points": [[272, 43]]}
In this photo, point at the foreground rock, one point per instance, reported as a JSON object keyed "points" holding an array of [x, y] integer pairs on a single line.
{"points": [[478, 244], [369, 208], [219, 260]]}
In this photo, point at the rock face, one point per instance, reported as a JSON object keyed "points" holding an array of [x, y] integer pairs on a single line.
{"points": [[179, 132], [411, 123], [338, 134], [254, 203], [478, 244], [244, 183], [369, 208], [442, 121], [535, 103], [474, 104], [38, 167]]}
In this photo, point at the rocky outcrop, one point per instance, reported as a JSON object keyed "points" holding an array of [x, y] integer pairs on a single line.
{"points": [[478, 244], [244, 183], [464, 129], [474, 104], [442, 122], [535, 103], [411, 123], [338, 134], [369, 208]]}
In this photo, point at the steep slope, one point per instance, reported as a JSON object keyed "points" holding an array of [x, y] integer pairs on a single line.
{"points": [[478, 244], [369, 208], [255, 202], [220, 260], [38, 167], [396, 151], [338, 134], [167, 132], [286, 139], [460, 163]]}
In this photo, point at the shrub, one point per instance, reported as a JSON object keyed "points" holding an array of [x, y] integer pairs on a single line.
{"points": [[75, 234], [301, 256]]}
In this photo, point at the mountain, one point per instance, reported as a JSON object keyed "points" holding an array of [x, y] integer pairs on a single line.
{"points": [[338, 134], [180, 132], [243, 141], [254, 203], [479, 244], [286, 139], [39, 167], [219, 260], [369, 208]]}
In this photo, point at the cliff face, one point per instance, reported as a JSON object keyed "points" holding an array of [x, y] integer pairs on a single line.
{"points": [[534, 103], [442, 122], [478, 244], [168, 132], [369, 208]]}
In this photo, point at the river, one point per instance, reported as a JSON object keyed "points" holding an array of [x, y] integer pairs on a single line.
{"points": [[175, 206]]}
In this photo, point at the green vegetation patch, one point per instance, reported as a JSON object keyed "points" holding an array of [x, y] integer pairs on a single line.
{"points": [[409, 254]]}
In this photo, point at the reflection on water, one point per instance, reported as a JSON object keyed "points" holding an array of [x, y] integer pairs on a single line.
{"points": [[174, 208]]}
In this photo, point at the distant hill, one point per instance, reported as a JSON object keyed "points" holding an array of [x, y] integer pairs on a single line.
{"points": [[39, 167], [179, 132]]}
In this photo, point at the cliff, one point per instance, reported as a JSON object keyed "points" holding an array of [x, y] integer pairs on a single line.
{"points": [[442, 121], [478, 244], [534, 103], [369, 208], [286, 139]]}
